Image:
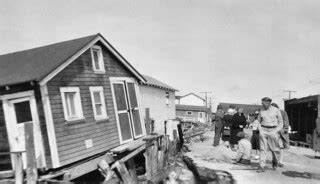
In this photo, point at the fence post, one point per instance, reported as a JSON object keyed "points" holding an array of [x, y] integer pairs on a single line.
{"points": [[18, 168], [165, 127], [32, 172], [148, 121]]}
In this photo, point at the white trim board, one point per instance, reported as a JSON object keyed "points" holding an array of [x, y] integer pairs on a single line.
{"points": [[50, 127], [80, 52]]}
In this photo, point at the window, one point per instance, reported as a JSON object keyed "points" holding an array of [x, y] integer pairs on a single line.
{"points": [[71, 102], [200, 115], [167, 98], [189, 113], [98, 103], [97, 59]]}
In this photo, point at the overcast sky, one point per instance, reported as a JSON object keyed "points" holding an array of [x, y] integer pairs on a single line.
{"points": [[239, 50]]}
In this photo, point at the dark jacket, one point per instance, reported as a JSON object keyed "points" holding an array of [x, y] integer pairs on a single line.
{"points": [[238, 119]]}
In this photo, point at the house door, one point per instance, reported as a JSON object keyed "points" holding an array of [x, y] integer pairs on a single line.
{"points": [[127, 110], [19, 111]]}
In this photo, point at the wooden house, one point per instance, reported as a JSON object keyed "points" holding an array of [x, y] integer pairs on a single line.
{"points": [[192, 108], [302, 114], [81, 95], [160, 99]]}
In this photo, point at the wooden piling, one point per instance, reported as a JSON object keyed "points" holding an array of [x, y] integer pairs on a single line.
{"points": [[148, 121], [32, 172], [18, 168]]}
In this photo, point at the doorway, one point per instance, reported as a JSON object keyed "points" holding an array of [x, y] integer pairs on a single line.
{"points": [[127, 109], [20, 108]]}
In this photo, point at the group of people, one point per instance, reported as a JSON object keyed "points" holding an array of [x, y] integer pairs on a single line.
{"points": [[269, 127]]}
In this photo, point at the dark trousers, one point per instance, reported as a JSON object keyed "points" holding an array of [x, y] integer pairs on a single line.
{"points": [[217, 133]]}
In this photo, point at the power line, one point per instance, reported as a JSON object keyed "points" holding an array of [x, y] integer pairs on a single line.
{"points": [[206, 96], [289, 92]]}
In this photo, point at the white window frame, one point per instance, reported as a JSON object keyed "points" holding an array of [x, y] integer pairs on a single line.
{"points": [[103, 103], [167, 98], [100, 57], [77, 100], [201, 115], [188, 113]]}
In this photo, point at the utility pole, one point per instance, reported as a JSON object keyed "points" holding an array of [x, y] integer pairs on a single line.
{"points": [[206, 96], [289, 92]]}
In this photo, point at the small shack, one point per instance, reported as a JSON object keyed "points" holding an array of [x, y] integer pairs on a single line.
{"points": [[302, 115]]}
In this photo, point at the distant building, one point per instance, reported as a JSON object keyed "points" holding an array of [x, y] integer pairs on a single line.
{"points": [[302, 114], [192, 108], [160, 99], [247, 108], [192, 113], [190, 99]]}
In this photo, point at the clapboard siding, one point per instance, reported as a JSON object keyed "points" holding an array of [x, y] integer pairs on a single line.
{"points": [[71, 136]]}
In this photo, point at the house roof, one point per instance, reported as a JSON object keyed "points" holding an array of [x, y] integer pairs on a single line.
{"points": [[247, 108], [38, 63], [302, 100], [179, 97], [156, 83], [192, 108]]}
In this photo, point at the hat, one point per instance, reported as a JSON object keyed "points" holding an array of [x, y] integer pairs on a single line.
{"points": [[275, 105], [266, 99], [241, 135]]}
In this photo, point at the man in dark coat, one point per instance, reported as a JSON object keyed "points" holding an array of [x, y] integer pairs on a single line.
{"points": [[218, 125], [238, 123]]}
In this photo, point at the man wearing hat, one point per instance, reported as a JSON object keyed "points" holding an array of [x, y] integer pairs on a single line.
{"points": [[218, 125], [271, 124]]}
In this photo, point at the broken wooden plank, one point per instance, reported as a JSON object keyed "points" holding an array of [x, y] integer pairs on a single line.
{"points": [[6, 174], [81, 168], [89, 166], [105, 169], [132, 169], [124, 173], [130, 155], [128, 146], [31, 171]]}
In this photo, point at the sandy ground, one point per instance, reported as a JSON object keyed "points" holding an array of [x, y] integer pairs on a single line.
{"points": [[296, 159]]}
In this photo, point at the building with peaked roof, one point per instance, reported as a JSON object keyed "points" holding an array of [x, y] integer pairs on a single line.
{"points": [[192, 108], [160, 99], [190, 99], [81, 95]]}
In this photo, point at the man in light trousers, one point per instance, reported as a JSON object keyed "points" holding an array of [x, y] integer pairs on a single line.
{"points": [[271, 124]]}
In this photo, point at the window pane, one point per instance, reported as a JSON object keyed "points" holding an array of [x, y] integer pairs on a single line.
{"points": [[137, 122], [96, 59], [132, 94], [125, 126], [99, 109], [97, 97], [71, 107], [23, 112], [120, 97]]}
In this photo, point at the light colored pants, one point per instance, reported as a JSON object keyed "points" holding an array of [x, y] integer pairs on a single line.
{"points": [[269, 141]]}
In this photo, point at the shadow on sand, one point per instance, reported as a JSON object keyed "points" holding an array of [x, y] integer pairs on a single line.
{"points": [[305, 175]]}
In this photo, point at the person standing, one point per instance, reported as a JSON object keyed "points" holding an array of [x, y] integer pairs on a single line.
{"points": [[238, 123], [255, 139], [284, 134], [271, 124], [316, 138], [218, 125]]}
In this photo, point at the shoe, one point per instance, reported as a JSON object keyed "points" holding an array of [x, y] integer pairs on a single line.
{"points": [[280, 164], [257, 157], [275, 165], [261, 170]]}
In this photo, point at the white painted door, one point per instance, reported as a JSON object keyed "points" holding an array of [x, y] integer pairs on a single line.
{"points": [[127, 108], [19, 111]]}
